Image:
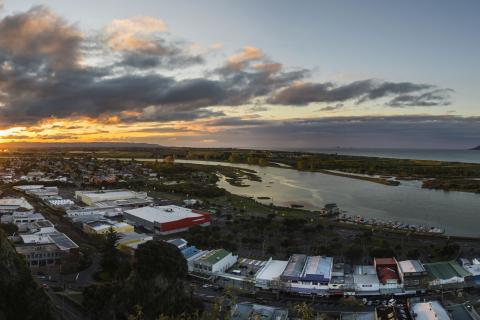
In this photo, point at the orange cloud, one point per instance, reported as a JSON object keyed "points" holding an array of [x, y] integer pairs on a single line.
{"points": [[238, 60], [134, 33]]}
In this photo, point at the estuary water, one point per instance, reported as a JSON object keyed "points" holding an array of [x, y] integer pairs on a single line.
{"points": [[456, 212]]}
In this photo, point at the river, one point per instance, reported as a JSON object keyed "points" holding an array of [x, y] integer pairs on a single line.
{"points": [[456, 212]]}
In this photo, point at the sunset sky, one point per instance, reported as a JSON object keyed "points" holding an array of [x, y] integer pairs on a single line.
{"points": [[262, 74]]}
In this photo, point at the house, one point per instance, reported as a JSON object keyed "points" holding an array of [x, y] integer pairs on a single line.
{"points": [[315, 276], [413, 275], [215, 261]]}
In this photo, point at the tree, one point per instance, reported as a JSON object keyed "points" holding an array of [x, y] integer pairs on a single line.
{"points": [[110, 255], [304, 311]]}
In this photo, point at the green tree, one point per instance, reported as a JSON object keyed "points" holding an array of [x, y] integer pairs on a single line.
{"points": [[110, 255]]}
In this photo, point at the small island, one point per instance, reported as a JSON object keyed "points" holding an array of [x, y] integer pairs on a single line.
{"points": [[476, 148]]}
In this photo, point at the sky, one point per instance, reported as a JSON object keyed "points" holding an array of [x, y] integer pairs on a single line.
{"points": [[251, 74]]}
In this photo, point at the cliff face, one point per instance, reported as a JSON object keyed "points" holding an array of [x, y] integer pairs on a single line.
{"points": [[20, 297]]}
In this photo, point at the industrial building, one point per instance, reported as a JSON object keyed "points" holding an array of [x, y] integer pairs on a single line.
{"points": [[101, 197], [446, 274], [18, 218], [472, 266], [166, 219], [269, 276], [10, 205]]}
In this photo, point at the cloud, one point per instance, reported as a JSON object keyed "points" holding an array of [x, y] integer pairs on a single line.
{"points": [[134, 34], [362, 91], [40, 36], [240, 59], [332, 108], [409, 131], [46, 73]]}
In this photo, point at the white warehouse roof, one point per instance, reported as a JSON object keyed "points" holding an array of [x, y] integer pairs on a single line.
{"points": [[272, 270], [163, 214]]}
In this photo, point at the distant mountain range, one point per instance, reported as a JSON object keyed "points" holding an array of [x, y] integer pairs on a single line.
{"points": [[76, 145]]}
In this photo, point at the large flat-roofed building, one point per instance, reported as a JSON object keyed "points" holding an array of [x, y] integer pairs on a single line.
{"points": [[214, 261], [414, 275], [430, 310], [446, 274], [19, 218], [166, 219], [269, 276], [42, 250], [92, 198], [10, 205]]}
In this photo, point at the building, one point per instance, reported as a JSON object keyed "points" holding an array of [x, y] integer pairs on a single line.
{"points": [[253, 311], [129, 242], [269, 276], [413, 275], [388, 275], [446, 274], [87, 211], [214, 261], [294, 268], [60, 203], [179, 243], [22, 217], [473, 267], [103, 226], [166, 219], [431, 310], [93, 198], [365, 280], [47, 249], [191, 254], [10, 205]]}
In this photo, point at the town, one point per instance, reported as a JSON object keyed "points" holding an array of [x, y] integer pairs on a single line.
{"points": [[56, 210]]}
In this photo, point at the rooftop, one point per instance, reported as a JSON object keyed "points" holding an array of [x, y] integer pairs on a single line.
{"points": [[318, 268], [272, 270], [431, 310], [445, 270], [252, 311], [295, 266], [163, 214], [214, 256], [411, 266]]}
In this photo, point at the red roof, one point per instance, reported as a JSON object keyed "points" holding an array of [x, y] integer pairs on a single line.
{"points": [[385, 261], [386, 273]]}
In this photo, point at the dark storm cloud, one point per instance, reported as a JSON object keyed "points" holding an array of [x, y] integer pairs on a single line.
{"points": [[236, 121], [362, 91], [171, 59]]}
